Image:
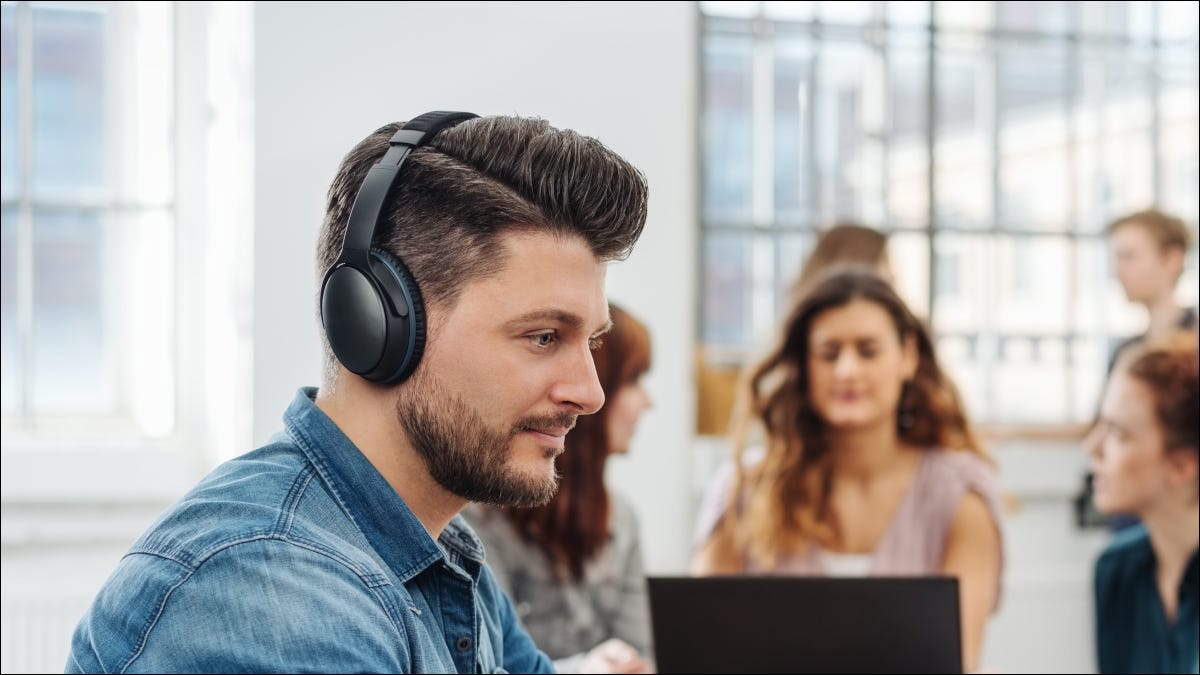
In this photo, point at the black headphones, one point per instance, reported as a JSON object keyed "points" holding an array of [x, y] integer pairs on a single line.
{"points": [[371, 306]]}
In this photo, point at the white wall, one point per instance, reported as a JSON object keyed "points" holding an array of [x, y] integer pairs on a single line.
{"points": [[327, 75]]}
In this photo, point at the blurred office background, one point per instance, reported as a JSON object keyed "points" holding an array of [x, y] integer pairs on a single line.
{"points": [[165, 165]]}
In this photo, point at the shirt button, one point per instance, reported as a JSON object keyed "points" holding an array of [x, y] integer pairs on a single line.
{"points": [[463, 644]]}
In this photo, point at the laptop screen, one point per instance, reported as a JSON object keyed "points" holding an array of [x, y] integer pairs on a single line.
{"points": [[789, 624]]}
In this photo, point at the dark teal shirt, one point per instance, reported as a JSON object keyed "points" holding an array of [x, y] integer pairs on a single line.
{"points": [[1132, 631]]}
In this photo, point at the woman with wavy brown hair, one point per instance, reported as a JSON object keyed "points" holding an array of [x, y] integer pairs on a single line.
{"points": [[867, 464], [573, 567]]}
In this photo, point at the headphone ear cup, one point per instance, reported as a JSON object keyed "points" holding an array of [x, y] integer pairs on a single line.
{"points": [[406, 318]]}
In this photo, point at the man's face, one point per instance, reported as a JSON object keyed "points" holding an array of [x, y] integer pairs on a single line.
{"points": [[1141, 266], [506, 372]]}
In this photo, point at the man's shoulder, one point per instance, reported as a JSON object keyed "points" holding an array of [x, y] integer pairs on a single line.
{"points": [[270, 492]]}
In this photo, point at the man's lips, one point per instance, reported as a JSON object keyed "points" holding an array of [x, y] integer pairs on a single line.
{"points": [[553, 435]]}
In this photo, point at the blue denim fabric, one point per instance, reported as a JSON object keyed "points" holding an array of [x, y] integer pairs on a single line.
{"points": [[300, 557]]}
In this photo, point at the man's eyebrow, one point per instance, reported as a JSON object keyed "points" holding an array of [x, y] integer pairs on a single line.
{"points": [[565, 318]]}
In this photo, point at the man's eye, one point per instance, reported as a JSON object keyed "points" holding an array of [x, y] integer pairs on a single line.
{"points": [[543, 339]]}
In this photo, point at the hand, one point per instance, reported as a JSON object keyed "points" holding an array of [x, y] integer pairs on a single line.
{"points": [[614, 656]]}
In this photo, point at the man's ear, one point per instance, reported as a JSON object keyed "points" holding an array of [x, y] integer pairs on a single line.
{"points": [[1173, 258]]}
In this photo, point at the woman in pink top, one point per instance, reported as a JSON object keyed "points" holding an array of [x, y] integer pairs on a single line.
{"points": [[868, 464]]}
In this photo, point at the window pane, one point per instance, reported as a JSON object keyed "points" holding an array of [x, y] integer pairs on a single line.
{"points": [[1089, 362], [728, 132], [793, 143], [70, 101], [1031, 285], [9, 175], [907, 181], [103, 293], [74, 340], [792, 251], [1112, 123], [965, 270], [958, 355], [1029, 381], [1040, 16], [1179, 144], [727, 288], [736, 8], [1034, 180], [908, 255], [962, 152], [790, 10], [851, 12], [1178, 21], [849, 119], [908, 13], [964, 15], [10, 342]]}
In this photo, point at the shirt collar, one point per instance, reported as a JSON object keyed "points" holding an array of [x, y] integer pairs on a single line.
{"points": [[369, 500]]}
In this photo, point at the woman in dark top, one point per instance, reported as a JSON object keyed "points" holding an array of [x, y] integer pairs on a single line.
{"points": [[1146, 459]]}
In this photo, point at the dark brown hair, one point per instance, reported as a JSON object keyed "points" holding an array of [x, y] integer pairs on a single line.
{"points": [[1173, 375], [844, 243], [780, 505], [574, 527], [477, 180]]}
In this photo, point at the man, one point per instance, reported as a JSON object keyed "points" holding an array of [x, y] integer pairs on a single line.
{"points": [[1149, 249], [464, 265]]}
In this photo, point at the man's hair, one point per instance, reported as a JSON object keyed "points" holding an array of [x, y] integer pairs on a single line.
{"points": [[1167, 230], [476, 181]]}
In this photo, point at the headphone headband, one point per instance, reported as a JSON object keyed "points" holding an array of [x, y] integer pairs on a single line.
{"points": [[371, 306]]}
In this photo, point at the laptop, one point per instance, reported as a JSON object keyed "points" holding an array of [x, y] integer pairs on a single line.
{"points": [[778, 624]]}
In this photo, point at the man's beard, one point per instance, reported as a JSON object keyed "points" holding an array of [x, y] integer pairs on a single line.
{"points": [[465, 455]]}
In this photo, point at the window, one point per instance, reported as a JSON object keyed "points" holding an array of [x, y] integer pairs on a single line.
{"points": [[993, 141], [127, 234], [88, 219]]}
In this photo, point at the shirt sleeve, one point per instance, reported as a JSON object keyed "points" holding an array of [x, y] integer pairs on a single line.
{"points": [[632, 621], [305, 611]]}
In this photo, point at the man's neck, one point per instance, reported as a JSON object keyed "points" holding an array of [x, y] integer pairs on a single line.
{"points": [[1164, 314], [367, 416]]}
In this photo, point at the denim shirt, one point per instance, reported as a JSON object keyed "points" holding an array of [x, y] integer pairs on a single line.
{"points": [[300, 557]]}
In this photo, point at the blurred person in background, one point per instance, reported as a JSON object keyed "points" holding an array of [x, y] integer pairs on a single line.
{"points": [[1149, 251], [1145, 456], [844, 243], [868, 467], [573, 567]]}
